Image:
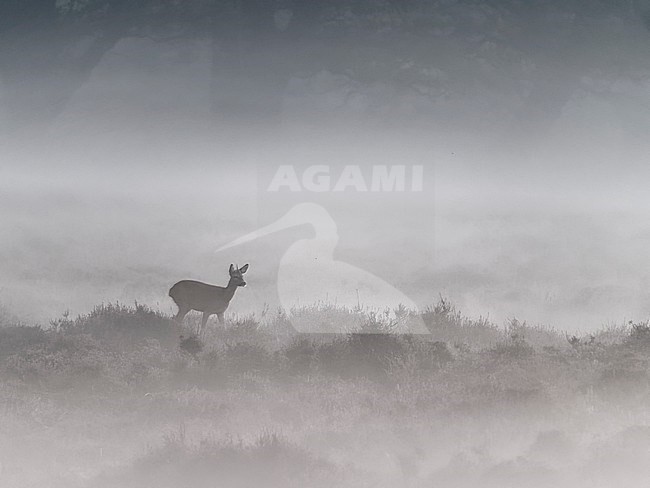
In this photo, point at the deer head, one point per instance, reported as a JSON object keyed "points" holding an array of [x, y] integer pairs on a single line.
{"points": [[237, 275]]}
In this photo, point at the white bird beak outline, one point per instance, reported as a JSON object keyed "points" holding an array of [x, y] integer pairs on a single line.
{"points": [[304, 213], [269, 229]]}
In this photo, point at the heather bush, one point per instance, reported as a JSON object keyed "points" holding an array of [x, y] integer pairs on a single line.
{"points": [[14, 340], [447, 324], [121, 327], [269, 461]]}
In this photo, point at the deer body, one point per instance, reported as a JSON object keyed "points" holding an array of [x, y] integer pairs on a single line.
{"points": [[209, 299]]}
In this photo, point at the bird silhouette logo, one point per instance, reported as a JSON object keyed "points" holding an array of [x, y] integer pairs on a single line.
{"points": [[309, 274]]}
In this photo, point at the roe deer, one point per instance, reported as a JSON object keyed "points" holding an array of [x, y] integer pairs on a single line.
{"points": [[209, 299]]}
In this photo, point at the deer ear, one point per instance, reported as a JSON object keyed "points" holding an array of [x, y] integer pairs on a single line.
{"points": [[244, 268], [232, 269]]}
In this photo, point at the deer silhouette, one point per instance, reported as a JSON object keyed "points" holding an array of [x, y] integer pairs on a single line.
{"points": [[209, 299]]}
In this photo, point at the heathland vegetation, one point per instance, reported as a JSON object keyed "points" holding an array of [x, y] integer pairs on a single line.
{"points": [[124, 397]]}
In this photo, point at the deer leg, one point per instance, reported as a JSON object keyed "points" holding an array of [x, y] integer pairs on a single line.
{"points": [[182, 312], [204, 320], [220, 317]]}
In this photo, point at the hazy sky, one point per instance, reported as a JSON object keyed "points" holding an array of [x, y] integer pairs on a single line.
{"points": [[534, 148]]}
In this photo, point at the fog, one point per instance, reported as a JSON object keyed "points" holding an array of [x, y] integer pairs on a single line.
{"points": [[534, 147], [471, 172]]}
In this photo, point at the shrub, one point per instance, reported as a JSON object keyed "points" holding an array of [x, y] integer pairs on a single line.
{"points": [[367, 355], [191, 345], [515, 347], [587, 347], [447, 324], [68, 358], [122, 327], [326, 318], [300, 355], [279, 327], [14, 340], [639, 336], [244, 357], [244, 329], [269, 461]]}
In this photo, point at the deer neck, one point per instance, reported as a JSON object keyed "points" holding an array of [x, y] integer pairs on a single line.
{"points": [[230, 290]]}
